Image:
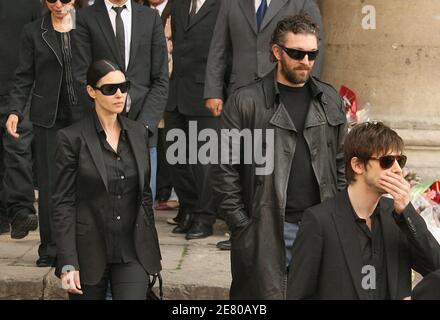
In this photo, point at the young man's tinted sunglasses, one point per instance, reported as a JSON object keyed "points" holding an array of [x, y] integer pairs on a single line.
{"points": [[62, 1], [387, 162], [299, 54], [111, 88]]}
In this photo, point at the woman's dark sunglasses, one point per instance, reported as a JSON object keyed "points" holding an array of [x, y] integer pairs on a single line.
{"points": [[111, 88], [299, 54], [62, 1], [387, 162]]}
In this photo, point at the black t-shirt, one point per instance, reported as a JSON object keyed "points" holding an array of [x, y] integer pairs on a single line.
{"points": [[302, 188]]}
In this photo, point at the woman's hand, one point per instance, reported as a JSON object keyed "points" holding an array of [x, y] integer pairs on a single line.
{"points": [[11, 125], [70, 281]]}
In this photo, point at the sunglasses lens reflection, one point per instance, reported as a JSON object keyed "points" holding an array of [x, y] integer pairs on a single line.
{"points": [[387, 162], [299, 54], [111, 89]]}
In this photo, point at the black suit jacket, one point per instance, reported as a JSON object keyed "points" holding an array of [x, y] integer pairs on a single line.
{"points": [[327, 259], [148, 63], [41, 66], [191, 41], [13, 16], [81, 201]]}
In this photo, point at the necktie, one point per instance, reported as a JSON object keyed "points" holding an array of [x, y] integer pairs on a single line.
{"points": [[193, 11], [120, 33], [261, 12]]}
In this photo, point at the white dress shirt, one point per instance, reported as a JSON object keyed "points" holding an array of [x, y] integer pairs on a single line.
{"points": [[126, 19], [258, 2], [160, 7], [199, 5]]}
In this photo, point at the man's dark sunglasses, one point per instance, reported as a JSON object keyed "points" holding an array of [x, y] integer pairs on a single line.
{"points": [[62, 1], [111, 88], [387, 162], [299, 54]]}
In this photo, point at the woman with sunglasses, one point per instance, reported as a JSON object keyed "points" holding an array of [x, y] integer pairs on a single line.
{"points": [[44, 76], [103, 214]]}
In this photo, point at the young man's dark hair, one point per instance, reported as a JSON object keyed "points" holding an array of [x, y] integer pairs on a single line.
{"points": [[368, 139], [298, 24]]}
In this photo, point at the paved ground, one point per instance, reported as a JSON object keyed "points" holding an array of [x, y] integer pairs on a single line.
{"points": [[193, 269]]}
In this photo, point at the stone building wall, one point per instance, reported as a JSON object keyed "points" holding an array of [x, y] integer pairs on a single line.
{"points": [[395, 68]]}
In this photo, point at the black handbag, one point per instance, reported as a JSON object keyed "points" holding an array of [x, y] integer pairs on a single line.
{"points": [[151, 295]]}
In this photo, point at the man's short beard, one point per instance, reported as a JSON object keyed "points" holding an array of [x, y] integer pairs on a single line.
{"points": [[292, 76]]}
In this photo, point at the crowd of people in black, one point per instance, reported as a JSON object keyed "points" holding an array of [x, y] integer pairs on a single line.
{"points": [[91, 89]]}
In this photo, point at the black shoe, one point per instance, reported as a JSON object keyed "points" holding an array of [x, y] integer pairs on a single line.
{"points": [[178, 219], [224, 245], [184, 225], [46, 261], [4, 227], [199, 230], [22, 224]]}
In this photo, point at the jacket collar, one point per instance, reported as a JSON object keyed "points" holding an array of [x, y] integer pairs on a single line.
{"points": [[281, 118], [346, 230], [203, 11], [90, 130], [248, 8], [137, 22], [49, 36], [104, 22], [135, 10], [272, 11], [92, 140]]}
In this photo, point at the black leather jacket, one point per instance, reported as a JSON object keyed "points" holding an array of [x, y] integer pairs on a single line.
{"points": [[254, 205]]}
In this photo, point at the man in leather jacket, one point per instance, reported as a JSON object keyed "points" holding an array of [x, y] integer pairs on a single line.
{"points": [[306, 120]]}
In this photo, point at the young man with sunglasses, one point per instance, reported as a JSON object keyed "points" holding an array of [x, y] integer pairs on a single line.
{"points": [[360, 244], [306, 117]]}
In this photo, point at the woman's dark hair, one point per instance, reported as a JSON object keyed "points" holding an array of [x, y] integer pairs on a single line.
{"points": [[100, 69]]}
